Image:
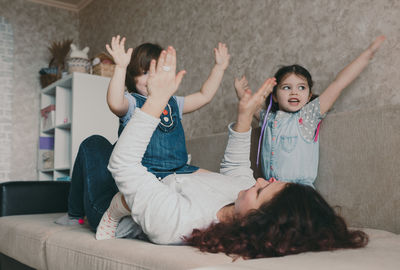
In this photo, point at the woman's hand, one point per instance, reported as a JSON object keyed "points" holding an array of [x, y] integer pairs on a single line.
{"points": [[222, 56], [249, 103], [162, 82], [240, 86], [117, 51]]}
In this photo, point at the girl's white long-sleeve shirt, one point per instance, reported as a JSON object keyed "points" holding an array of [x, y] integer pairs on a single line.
{"points": [[169, 209]]}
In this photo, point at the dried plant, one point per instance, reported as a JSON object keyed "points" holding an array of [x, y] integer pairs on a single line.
{"points": [[59, 51]]}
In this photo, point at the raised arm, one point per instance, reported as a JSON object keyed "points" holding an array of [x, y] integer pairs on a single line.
{"points": [[241, 85], [348, 75], [162, 83], [149, 199], [250, 103], [211, 85], [116, 100], [236, 160]]}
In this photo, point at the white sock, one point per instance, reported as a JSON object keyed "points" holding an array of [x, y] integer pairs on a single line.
{"points": [[109, 222], [66, 220]]}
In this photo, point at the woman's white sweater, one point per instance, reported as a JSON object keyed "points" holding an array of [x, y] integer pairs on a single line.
{"points": [[169, 209]]}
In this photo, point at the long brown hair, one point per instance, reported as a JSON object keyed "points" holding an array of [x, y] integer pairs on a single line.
{"points": [[297, 220]]}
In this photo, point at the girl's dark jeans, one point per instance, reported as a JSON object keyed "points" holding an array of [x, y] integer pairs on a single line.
{"points": [[92, 186]]}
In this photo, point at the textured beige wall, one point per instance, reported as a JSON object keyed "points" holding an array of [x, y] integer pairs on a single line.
{"points": [[321, 35], [35, 27], [261, 34]]}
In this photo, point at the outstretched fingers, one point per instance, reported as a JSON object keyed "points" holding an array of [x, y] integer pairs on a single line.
{"points": [[240, 86], [161, 61], [122, 43], [170, 59], [376, 43], [117, 51], [247, 96], [115, 41], [173, 59], [129, 52], [222, 49], [152, 68], [266, 88], [179, 77], [162, 74], [108, 48]]}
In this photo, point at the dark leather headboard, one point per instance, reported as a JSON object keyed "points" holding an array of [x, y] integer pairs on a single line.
{"points": [[33, 197]]}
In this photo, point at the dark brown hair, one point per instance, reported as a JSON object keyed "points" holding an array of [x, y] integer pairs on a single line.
{"points": [[140, 63], [282, 74], [296, 220]]}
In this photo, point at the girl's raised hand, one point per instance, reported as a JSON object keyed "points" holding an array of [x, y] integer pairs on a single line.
{"points": [[376, 44], [117, 51], [222, 56], [240, 86]]}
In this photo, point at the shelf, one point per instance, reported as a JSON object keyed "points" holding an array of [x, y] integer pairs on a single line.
{"points": [[63, 82], [55, 169], [48, 131], [47, 170], [66, 126], [80, 110], [61, 168]]}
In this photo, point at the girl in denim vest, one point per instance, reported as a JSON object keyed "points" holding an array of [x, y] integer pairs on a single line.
{"points": [[92, 185], [166, 152], [289, 135]]}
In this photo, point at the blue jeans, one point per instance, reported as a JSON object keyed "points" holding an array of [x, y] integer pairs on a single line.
{"points": [[92, 186]]}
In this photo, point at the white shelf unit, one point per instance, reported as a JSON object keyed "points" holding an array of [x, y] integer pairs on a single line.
{"points": [[80, 111]]}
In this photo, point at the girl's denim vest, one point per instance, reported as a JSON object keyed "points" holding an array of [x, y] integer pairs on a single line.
{"points": [[166, 152]]}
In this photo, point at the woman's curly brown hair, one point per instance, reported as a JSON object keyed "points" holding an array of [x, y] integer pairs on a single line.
{"points": [[297, 220]]}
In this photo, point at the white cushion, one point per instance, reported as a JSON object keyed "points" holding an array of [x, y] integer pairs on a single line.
{"points": [[38, 242], [23, 237], [79, 250]]}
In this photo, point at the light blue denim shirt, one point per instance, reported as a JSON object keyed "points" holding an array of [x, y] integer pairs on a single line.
{"points": [[289, 150]]}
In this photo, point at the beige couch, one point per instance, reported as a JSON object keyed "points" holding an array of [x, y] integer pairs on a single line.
{"points": [[360, 157]]}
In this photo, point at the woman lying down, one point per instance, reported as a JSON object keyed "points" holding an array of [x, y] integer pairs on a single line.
{"points": [[228, 212]]}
